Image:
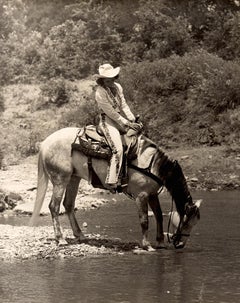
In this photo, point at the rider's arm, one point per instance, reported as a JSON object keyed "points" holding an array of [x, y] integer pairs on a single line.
{"points": [[107, 107], [124, 106]]}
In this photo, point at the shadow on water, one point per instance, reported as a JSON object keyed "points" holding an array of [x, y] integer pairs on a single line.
{"points": [[206, 270]]}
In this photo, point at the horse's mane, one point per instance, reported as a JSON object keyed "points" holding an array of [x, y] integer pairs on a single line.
{"points": [[146, 143], [167, 172], [171, 174]]}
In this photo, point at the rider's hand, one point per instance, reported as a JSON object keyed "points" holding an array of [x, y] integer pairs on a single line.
{"points": [[136, 126]]}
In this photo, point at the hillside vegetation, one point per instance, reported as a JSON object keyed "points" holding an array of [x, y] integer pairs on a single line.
{"points": [[179, 59]]}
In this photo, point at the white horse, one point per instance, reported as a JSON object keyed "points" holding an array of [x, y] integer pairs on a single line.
{"points": [[151, 170]]}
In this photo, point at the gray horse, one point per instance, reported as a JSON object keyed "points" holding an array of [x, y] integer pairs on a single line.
{"points": [[151, 170]]}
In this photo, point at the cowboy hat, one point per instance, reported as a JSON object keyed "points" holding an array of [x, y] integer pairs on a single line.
{"points": [[107, 71]]}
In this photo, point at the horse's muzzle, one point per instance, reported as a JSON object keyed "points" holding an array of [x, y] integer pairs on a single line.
{"points": [[177, 240], [179, 244]]}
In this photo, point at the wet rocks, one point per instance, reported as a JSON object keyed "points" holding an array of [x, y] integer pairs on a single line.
{"points": [[23, 242], [8, 201], [2, 206]]}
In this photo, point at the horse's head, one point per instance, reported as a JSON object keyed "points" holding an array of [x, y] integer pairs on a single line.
{"points": [[184, 226]]}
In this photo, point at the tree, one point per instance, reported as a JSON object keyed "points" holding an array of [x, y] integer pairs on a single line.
{"points": [[157, 34], [77, 47]]}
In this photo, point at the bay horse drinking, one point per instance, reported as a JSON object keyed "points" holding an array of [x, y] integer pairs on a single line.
{"points": [[65, 168]]}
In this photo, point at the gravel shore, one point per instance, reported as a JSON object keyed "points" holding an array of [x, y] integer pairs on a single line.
{"points": [[23, 243]]}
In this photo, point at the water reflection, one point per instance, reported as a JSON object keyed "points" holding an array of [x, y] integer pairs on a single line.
{"points": [[207, 270]]}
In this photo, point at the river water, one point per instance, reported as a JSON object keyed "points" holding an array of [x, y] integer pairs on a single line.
{"points": [[206, 270]]}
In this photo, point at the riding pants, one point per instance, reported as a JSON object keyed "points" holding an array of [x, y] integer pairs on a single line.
{"points": [[113, 137]]}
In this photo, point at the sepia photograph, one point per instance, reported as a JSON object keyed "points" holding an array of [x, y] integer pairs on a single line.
{"points": [[119, 151]]}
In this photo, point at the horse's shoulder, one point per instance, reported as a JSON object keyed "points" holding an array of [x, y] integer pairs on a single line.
{"points": [[146, 143]]}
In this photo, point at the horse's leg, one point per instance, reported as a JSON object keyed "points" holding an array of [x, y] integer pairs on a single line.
{"points": [[54, 207], [69, 204], [142, 205], [155, 206]]}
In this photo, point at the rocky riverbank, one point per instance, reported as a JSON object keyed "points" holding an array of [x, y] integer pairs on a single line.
{"points": [[23, 243]]}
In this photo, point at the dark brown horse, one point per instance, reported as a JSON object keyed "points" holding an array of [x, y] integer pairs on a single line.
{"points": [[65, 169]]}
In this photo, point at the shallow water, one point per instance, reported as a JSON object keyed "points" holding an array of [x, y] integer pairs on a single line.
{"points": [[206, 270]]}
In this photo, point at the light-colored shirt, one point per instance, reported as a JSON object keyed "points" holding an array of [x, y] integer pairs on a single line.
{"points": [[115, 107]]}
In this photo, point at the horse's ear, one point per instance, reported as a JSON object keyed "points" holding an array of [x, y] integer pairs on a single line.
{"points": [[198, 203]]}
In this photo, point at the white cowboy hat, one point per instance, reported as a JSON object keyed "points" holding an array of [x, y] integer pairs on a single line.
{"points": [[108, 71]]}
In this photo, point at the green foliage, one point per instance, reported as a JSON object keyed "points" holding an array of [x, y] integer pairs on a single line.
{"points": [[82, 113], [161, 35], [41, 40], [76, 48], [1, 157], [184, 95], [2, 107], [222, 33], [55, 91], [11, 17], [25, 144], [220, 90]]}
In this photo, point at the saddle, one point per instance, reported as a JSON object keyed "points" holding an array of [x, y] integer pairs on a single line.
{"points": [[92, 143]]}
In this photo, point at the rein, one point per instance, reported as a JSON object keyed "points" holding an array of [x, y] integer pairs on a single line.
{"points": [[177, 233]]}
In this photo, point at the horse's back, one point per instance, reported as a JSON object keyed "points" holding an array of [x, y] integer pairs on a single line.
{"points": [[61, 136], [55, 150]]}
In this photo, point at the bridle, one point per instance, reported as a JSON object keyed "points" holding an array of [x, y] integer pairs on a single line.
{"points": [[177, 234], [147, 172], [190, 212]]}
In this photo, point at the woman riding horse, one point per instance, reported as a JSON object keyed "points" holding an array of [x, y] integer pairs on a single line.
{"points": [[149, 171], [115, 118]]}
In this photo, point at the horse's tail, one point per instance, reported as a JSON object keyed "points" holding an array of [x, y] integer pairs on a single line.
{"points": [[42, 184]]}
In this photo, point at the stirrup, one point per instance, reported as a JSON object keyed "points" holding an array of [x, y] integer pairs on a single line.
{"points": [[124, 182]]}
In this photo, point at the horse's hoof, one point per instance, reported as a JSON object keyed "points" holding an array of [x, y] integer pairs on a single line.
{"points": [[179, 245], [160, 245], [82, 238], [148, 248]]}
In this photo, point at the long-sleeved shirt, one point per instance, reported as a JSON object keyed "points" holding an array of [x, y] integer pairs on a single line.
{"points": [[115, 107]]}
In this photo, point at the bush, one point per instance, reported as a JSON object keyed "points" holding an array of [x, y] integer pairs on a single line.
{"points": [[2, 107], [183, 96], [55, 91], [157, 34], [1, 157], [82, 113], [220, 90], [75, 49], [229, 122]]}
